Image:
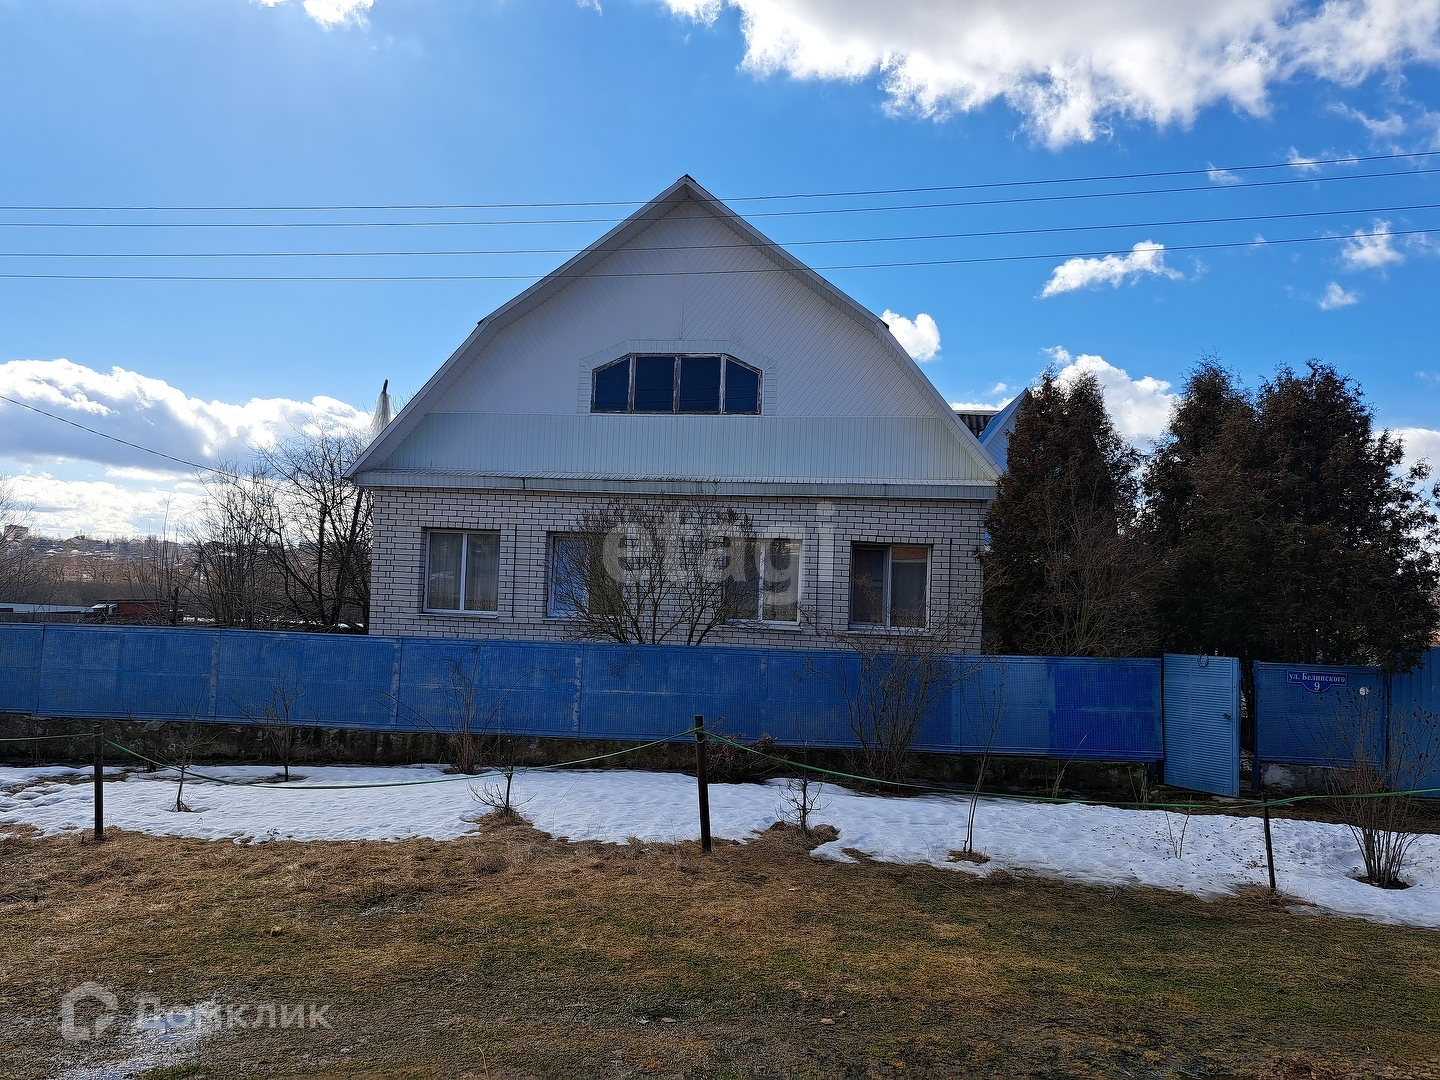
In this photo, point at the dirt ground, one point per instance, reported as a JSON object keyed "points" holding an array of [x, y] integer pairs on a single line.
{"points": [[511, 954]]}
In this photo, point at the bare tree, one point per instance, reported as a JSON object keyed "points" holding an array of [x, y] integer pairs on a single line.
{"points": [[468, 728], [235, 581], [497, 795], [898, 676], [991, 701], [162, 573], [276, 720], [24, 575], [320, 531], [192, 737], [802, 798], [656, 571], [1384, 757], [1100, 584]]}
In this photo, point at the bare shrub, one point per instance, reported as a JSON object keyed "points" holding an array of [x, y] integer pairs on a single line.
{"points": [[467, 727], [498, 794], [801, 798], [991, 699], [899, 675], [653, 571], [192, 738], [276, 720], [728, 763], [1380, 765], [1177, 840]]}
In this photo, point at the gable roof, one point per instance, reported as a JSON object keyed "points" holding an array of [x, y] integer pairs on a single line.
{"points": [[996, 436], [371, 466]]}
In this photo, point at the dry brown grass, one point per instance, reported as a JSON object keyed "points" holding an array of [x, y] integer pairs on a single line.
{"points": [[512, 954]]}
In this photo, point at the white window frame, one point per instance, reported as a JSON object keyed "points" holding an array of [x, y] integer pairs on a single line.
{"points": [[886, 600], [799, 573], [464, 570], [551, 610]]}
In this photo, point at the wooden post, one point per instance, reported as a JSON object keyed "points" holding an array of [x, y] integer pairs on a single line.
{"points": [[703, 779], [1269, 851], [99, 783]]}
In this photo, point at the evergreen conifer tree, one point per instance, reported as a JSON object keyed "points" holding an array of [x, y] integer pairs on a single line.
{"points": [[1065, 571], [1286, 528]]}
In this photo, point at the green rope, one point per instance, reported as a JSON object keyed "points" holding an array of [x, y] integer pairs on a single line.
{"points": [[1191, 807], [927, 788], [389, 784]]}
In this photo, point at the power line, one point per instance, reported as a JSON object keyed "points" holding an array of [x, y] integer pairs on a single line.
{"points": [[705, 273], [124, 442], [1019, 200], [1173, 223], [858, 193]]}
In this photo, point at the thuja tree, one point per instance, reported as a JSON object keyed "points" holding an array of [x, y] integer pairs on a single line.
{"points": [[1288, 528], [1067, 571]]}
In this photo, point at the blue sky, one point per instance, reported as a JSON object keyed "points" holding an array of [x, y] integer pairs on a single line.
{"points": [[239, 103]]}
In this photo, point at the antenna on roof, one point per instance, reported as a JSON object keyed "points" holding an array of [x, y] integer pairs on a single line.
{"points": [[381, 418]]}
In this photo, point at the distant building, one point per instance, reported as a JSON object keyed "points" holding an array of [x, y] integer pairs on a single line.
{"points": [[41, 613], [682, 354], [993, 427]]}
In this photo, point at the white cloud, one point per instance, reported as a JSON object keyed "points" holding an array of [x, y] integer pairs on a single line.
{"points": [[1392, 126], [1140, 407], [147, 411], [333, 12], [1420, 443], [1072, 69], [123, 491], [999, 388], [102, 508], [921, 338], [1336, 297], [1372, 249], [1223, 177], [981, 406], [1301, 162], [1146, 257]]}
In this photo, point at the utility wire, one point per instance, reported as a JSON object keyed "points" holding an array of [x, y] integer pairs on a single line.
{"points": [[125, 442], [1173, 223], [999, 184], [1019, 200], [709, 273]]}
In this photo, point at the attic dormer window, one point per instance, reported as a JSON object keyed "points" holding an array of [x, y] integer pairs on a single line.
{"points": [[646, 383]]}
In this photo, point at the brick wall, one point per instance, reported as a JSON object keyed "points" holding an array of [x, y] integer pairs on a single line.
{"points": [[952, 528]]}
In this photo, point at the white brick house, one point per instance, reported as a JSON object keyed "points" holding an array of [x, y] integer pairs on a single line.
{"points": [[682, 354]]}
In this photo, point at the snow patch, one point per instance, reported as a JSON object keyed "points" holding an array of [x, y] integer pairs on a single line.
{"points": [[1315, 863]]}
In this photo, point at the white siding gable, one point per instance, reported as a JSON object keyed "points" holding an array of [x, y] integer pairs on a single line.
{"points": [[842, 405]]}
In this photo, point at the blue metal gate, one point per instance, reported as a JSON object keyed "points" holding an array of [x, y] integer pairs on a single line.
{"points": [[1202, 723]]}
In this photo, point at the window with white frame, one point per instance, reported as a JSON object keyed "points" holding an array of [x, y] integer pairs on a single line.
{"points": [[642, 383], [568, 591], [889, 584], [765, 577], [462, 572]]}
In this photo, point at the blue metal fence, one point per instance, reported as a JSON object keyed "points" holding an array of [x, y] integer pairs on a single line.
{"points": [[1106, 710], [1415, 701], [1202, 723], [1313, 715], [1328, 715]]}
